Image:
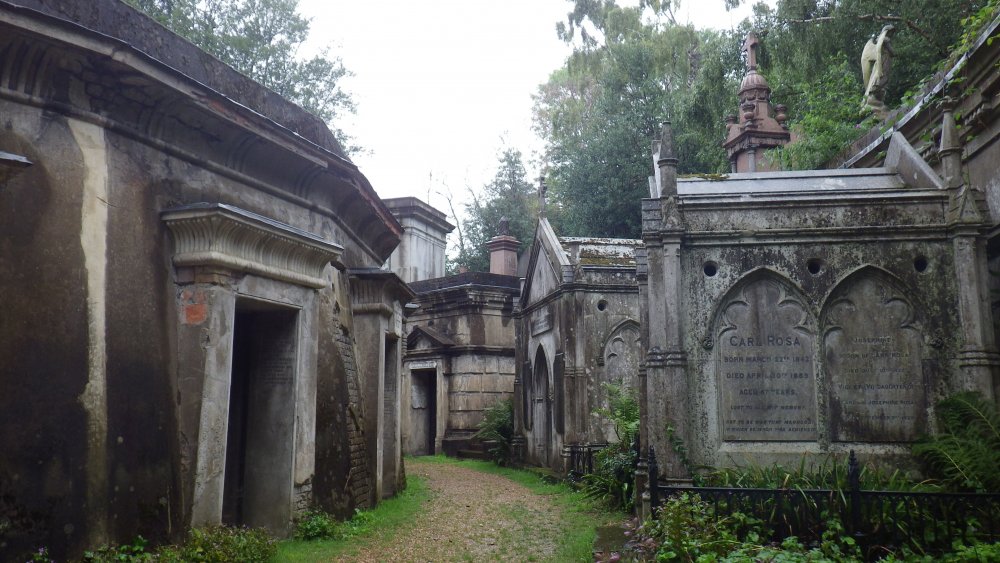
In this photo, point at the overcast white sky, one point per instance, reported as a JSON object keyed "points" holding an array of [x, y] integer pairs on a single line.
{"points": [[440, 84]]}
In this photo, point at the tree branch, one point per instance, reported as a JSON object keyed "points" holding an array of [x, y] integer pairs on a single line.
{"points": [[875, 17]]}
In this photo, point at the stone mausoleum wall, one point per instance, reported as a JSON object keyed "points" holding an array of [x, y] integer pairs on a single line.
{"points": [[180, 238], [797, 314], [578, 330]]}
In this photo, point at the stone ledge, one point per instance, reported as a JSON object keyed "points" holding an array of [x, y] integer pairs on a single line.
{"points": [[223, 236]]}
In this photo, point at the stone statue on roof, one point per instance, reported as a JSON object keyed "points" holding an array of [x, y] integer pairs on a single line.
{"points": [[876, 62]]}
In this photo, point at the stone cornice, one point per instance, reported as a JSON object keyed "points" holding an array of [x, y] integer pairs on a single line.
{"points": [[223, 236]]}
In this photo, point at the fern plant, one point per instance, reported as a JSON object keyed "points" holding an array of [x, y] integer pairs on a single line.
{"points": [[965, 454], [497, 428]]}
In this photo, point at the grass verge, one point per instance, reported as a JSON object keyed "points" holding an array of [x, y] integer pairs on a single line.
{"points": [[382, 522]]}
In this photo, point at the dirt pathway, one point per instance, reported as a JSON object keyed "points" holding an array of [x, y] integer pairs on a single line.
{"points": [[471, 516]]}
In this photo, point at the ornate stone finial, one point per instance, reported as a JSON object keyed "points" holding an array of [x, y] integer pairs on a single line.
{"points": [[876, 62], [504, 227], [666, 162], [757, 125], [667, 142], [750, 47], [542, 188]]}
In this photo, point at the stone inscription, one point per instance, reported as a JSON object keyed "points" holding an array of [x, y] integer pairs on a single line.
{"points": [[764, 366], [872, 354], [277, 366]]}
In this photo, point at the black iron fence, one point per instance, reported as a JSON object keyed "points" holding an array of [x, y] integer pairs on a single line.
{"points": [[878, 520], [581, 459]]}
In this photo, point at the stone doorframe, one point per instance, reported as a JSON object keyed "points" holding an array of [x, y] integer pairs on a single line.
{"points": [[223, 254]]}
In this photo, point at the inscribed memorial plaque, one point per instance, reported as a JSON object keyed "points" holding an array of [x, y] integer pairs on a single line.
{"points": [[764, 365], [872, 353]]}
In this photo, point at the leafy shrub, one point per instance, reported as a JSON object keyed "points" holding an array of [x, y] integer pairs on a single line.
{"points": [[965, 454], [314, 525], [830, 474], [222, 544], [685, 529], [497, 428], [318, 525], [613, 479], [134, 552]]}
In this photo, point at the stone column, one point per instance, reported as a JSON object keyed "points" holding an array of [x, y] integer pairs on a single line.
{"points": [[978, 360], [666, 389], [378, 296]]}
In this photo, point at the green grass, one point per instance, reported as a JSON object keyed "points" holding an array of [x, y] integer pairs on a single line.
{"points": [[380, 522], [580, 517]]}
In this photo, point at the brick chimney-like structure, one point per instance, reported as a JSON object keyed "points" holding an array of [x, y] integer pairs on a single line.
{"points": [[503, 251]]}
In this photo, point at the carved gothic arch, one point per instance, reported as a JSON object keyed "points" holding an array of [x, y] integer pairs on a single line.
{"points": [[616, 334], [868, 271], [790, 293]]}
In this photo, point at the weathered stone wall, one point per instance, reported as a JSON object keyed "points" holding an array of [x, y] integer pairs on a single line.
{"points": [[460, 350], [577, 332], [478, 381], [105, 344], [814, 312]]}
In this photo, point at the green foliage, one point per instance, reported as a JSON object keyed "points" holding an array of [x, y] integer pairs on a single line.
{"points": [[600, 111], [831, 473], [686, 529], [261, 38], [831, 118], [977, 552], [315, 524], [134, 552], [613, 478], [41, 555], [497, 428], [381, 522], [965, 454], [622, 411], [836, 547], [222, 544], [509, 195]]}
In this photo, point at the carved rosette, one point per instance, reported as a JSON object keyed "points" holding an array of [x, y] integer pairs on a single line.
{"points": [[227, 237]]}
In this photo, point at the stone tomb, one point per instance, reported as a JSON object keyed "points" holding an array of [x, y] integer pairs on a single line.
{"points": [[792, 314]]}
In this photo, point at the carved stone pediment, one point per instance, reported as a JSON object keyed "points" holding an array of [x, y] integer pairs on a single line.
{"points": [[223, 236]]}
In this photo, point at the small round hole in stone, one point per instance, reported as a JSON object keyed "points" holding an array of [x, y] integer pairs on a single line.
{"points": [[602, 305], [920, 264], [815, 266], [711, 268]]}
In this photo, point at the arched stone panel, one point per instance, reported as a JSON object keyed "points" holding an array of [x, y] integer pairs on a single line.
{"points": [[872, 350], [765, 339], [621, 355]]}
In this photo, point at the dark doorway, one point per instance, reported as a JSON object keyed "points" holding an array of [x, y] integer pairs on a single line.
{"points": [[541, 411], [258, 470], [423, 411]]}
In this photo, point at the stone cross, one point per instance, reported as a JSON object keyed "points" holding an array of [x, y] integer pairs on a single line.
{"points": [[541, 195], [750, 48]]}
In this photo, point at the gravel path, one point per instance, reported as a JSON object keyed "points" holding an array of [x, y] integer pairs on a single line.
{"points": [[471, 516]]}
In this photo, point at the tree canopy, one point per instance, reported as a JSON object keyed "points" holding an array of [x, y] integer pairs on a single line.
{"points": [[633, 66], [261, 39], [509, 195]]}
